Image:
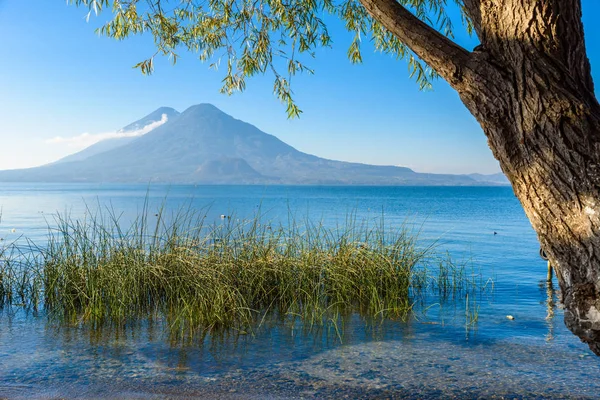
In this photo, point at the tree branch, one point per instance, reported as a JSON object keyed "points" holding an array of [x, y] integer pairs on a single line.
{"points": [[443, 55]]}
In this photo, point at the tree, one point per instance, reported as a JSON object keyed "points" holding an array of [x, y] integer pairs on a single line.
{"points": [[528, 84]]}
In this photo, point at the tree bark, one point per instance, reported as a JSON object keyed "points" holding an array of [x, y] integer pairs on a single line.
{"points": [[530, 87], [545, 133]]}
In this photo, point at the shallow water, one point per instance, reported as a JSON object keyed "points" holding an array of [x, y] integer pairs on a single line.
{"points": [[431, 355]]}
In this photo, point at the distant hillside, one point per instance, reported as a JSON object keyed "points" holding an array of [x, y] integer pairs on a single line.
{"points": [[498, 178], [110, 144], [205, 145]]}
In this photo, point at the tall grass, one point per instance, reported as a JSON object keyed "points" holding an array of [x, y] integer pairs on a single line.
{"points": [[199, 277], [20, 279]]}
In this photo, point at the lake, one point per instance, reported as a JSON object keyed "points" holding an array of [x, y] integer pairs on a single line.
{"points": [[434, 354]]}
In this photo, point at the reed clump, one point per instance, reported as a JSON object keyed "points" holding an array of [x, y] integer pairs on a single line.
{"points": [[199, 277]]}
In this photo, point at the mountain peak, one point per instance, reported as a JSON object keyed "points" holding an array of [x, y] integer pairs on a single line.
{"points": [[129, 133], [154, 116], [203, 108], [165, 110]]}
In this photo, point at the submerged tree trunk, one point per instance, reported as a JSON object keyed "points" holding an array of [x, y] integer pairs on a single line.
{"points": [[529, 85]]}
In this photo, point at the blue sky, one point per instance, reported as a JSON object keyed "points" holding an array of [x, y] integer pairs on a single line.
{"points": [[58, 78]]}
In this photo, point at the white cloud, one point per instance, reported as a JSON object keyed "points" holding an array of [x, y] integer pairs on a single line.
{"points": [[87, 139]]}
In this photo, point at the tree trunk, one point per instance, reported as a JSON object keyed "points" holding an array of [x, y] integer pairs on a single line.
{"points": [[530, 87], [545, 133]]}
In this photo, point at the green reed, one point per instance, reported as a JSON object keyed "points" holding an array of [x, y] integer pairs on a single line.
{"points": [[199, 277]]}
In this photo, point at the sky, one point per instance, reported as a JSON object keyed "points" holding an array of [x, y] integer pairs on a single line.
{"points": [[62, 86]]}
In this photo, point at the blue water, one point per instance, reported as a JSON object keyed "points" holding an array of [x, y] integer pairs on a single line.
{"points": [[434, 354]]}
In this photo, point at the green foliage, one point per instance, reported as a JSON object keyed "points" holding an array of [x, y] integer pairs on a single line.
{"points": [[262, 36]]}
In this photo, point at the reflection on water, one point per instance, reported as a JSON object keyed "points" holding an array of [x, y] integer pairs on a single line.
{"points": [[374, 359], [551, 299]]}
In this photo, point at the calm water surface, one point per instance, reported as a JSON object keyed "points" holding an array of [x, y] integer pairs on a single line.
{"points": [[430, 356]]}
